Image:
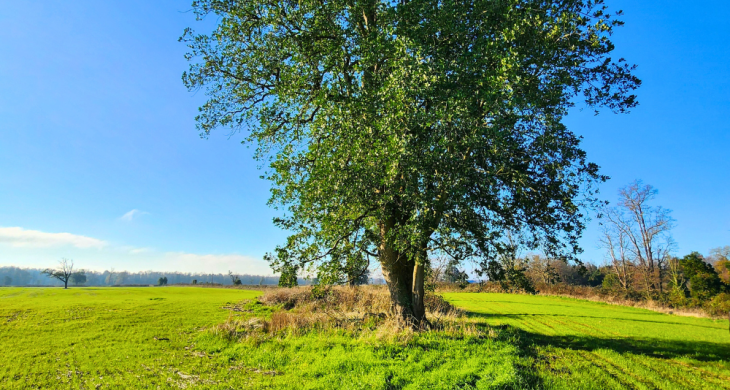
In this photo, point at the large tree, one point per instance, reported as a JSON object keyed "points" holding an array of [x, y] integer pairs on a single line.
{"points": [[393, 129]]}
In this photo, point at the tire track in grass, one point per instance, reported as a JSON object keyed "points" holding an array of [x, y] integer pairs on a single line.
{"points": [[643, 379], [528, 324], [578, 330], [613, 370], [584, 367], [564, 325], [653, 365], [648, 368], [724, 380], [510, 318], [552, 330], [603, 332]]}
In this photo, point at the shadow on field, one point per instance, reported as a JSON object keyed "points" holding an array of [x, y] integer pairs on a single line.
{"points": [[654, 347], [521, 315]]}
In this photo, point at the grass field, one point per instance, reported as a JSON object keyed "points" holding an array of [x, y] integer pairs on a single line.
{"points": [[160, 338], [587, 345]]}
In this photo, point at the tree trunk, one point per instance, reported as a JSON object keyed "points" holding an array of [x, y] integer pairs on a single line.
{"points": [[398, 274], [65, 284], [405, 281]]}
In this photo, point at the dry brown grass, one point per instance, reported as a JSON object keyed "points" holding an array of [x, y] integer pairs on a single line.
{"points": [[357, 310]]}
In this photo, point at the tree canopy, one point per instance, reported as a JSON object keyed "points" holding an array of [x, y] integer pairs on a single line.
{"points": [[395, 129]]}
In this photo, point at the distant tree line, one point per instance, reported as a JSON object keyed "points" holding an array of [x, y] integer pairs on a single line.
{"points": [[17, 276], [691, 281]]}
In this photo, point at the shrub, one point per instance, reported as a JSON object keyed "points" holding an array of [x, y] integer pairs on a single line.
{"points": [[704, 286], [719, 306]]}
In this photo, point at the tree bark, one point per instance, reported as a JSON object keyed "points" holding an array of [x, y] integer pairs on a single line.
{"points": [[405, 280], [398, 275]]}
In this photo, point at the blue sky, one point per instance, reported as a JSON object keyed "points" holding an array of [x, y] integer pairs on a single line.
{"points": [[100, 160]]}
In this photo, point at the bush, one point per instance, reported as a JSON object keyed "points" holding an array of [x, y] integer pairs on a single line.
{"points": [[677, 297], [704, 286], [611, 283], [719, 306]]}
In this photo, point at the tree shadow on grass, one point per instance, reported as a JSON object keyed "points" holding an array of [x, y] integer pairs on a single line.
{"points": [[655, 347], [520, 315]]}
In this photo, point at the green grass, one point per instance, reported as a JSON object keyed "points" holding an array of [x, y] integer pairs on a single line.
{"points": [[118, 337], [587, 345], [160, 338]]}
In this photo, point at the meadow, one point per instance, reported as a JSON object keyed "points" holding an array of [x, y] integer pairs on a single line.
{"points": [[580, 344], [164, 337]]}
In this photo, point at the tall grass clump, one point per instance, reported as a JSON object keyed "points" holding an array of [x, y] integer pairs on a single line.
{"points": [[357, 310]]}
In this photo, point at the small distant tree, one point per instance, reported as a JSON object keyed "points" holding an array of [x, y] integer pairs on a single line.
{"points": [[677, 281], [594, 276], [7, 280], [121, 277], [508, 268], [542, 270], [453, 274], [356, 268], [288, 277], [235, 280], [437, 269], [66, 269], [78, 278], [162, 281], [720, 259], [195, 281], [109, 280]]}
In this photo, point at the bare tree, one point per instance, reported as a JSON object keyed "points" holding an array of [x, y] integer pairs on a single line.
{"points": [[110, 277], [720, 260], [616, 245], [640, 232], [677, 280], [542, 270], [235, 280], [64, 273], [438, 268]]}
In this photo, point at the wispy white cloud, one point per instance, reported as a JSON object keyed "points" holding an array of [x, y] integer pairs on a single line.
{"points": [[136, 251], [191, 262], [132, 214], [19, 237]]}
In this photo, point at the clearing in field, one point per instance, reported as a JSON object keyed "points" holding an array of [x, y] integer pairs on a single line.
{"points": [[161, 337]]}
